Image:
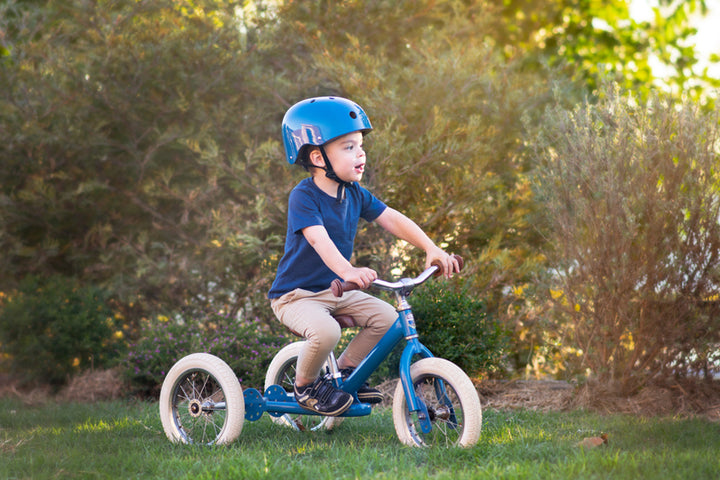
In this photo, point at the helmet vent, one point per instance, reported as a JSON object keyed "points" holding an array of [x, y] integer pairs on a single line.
{"points": [[353, 115]]}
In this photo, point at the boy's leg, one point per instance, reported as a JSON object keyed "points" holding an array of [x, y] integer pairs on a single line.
{"points": [[373, 315], [307, 315]]}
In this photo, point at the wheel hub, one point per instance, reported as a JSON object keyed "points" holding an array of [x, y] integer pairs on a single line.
{"points": [[442, 413], [195, 408]]}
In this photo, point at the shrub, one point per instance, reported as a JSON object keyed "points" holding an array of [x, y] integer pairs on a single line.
{"points": [[52, 328], [631, 200], [248, 348], [455, 325]]}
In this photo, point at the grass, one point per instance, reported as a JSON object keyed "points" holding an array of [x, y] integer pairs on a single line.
{"points": [[125, 440]]}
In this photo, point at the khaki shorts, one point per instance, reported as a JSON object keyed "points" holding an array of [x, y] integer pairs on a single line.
{"points": [[310, 315]]}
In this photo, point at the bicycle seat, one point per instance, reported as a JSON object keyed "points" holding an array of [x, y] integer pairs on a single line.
{"points": [[345, 321]]}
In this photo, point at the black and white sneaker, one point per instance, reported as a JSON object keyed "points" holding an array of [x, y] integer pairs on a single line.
{"points": [[322, 397], [365, 393]]}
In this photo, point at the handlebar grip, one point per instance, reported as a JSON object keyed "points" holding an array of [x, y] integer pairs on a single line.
{"points": [[459, 259], [339, 287]]}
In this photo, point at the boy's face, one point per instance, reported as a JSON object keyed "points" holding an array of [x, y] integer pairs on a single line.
{"points": [[347, 156]]}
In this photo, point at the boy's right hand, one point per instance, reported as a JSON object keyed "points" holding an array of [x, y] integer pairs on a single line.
{"points": [[362, 276]]}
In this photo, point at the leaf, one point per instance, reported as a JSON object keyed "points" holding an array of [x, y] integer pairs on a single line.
{"points": [[594, 442]]}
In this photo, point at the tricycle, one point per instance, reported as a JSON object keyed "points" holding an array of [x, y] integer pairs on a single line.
{"points": [[434, 403]]}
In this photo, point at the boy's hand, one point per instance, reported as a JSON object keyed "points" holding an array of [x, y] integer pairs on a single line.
{"points": [[448, 263], [363, 276]]}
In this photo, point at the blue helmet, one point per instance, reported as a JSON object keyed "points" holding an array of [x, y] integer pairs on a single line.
{"points": [[317, 121]]}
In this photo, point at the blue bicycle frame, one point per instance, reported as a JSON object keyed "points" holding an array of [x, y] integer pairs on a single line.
{"points": [[277, 402], [404, 327]]}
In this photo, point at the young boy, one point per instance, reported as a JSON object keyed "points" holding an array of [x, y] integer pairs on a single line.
{"points": [[325, 136]]}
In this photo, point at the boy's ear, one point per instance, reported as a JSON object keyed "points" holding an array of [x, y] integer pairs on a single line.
{"points": [[316, 158]]}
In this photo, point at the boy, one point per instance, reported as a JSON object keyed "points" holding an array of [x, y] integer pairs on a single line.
{"points": [[325, 136]]}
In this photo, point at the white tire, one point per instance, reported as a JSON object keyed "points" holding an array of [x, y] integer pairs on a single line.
{"points": [[282, 372], [201, 401], [456, 418]]}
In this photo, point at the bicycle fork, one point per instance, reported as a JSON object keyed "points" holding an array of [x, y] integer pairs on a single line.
{"points": [[416, 406]]}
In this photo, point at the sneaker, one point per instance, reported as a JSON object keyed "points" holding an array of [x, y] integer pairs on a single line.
{"points": [[365, 394], [323, 398]]}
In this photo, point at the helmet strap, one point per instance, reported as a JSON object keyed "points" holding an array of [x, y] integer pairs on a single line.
{"points": [[330, 173]]}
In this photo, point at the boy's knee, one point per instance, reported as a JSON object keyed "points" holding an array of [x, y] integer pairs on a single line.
{"points": [[327, 335], [389, 316]]}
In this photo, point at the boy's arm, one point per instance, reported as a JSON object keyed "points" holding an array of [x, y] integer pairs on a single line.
{"points": [[317, 236], [405, 229]]}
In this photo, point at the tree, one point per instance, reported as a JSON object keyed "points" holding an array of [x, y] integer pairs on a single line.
{"points": [[129, 151], [143, 150], [141, 147], [594, 40]]}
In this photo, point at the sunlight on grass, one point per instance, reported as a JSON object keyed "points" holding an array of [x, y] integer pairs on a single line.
{"points": [[103, 426]]}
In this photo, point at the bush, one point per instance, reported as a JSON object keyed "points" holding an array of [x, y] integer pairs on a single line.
{"points": [[455, 325], [50, 329], [248, 348], [631, 201]]}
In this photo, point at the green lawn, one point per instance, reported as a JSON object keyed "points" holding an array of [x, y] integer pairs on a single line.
{"points": [[125, 440]]}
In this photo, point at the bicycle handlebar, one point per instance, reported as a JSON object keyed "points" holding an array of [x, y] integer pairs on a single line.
{"points": [[339, 287]]}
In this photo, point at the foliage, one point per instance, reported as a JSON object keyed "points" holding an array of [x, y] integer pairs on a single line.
{"points": [[141, 147], [248, 348], [52, 328], [631, 196], [455, 325], [594, 40], [174, 199], [537, 348], [129, 156]]}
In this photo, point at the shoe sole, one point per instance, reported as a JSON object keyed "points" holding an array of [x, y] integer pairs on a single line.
{"points": [[371, 397]]}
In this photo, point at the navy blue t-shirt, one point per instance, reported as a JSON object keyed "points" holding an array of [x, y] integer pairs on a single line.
{"points": [[301, 266]]}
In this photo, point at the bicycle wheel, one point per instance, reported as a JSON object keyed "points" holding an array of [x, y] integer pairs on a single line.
{"points": [[201, 401], [452, 403], [282, 372]]}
